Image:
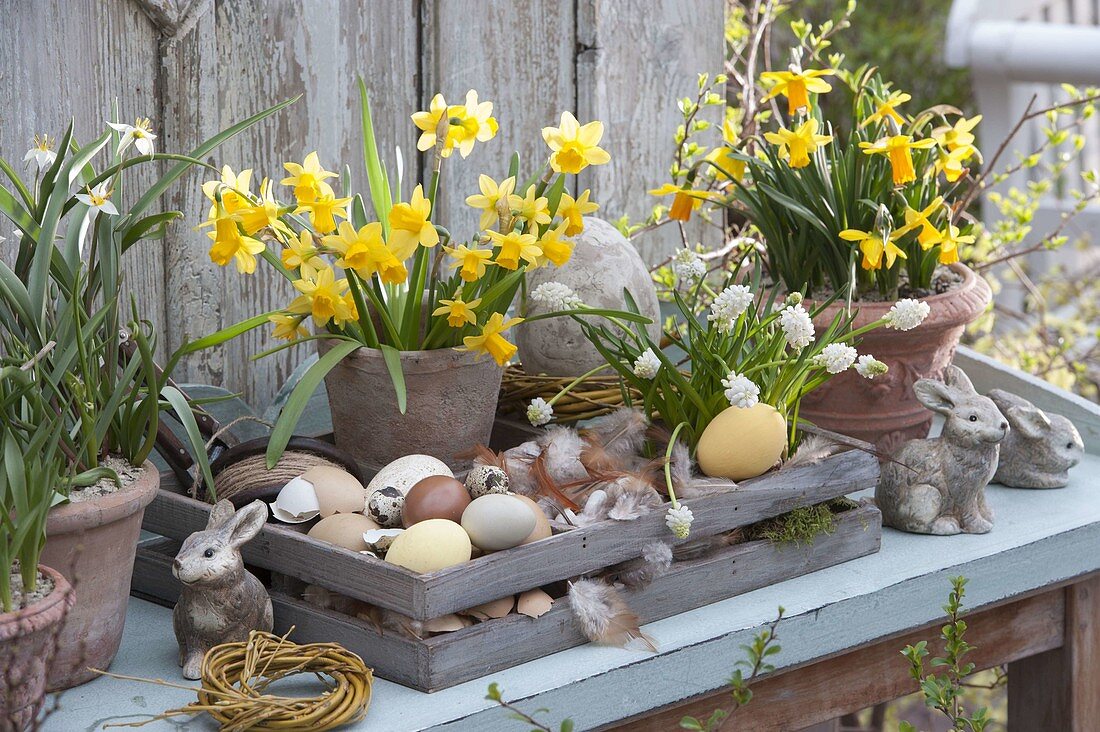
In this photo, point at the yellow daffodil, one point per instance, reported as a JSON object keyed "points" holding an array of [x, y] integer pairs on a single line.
{"points": [[233, 187], [471, 261], [950, 163], [431, 124], [572, 211], [949, 244], [491, 195], [409, 225], [324, 209], [230, 244], [491, 341], [459, 313], [533, 210], [684, 201], [471, 123], [898, 148], [515, 247], [928, 236], [873, 248], [795, 85], [306, 178], [888, 110], [302, 254], [574, 146], [796, 145], [365, 252], [288, 327], [324, 298], [958, 135], [723, 156], [261, 214], [554, 248]]}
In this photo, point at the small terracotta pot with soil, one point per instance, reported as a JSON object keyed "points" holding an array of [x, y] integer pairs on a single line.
{"points": [[93, 543], [452, 403], [28, 638], [884, 411]]}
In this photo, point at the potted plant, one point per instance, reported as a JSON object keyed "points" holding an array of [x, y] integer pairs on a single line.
{"points": [[405, 314], [65, 288]]}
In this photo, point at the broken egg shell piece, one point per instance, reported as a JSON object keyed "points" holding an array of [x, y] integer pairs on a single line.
{"points": [[446, 624], [489, 610], [380, 539], [296, 502], [534, 603], [338, 491]]}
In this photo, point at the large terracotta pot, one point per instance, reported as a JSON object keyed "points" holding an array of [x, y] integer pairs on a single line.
{"points": [[884, 411], [452, 402], [27, 640], [93, 544]]}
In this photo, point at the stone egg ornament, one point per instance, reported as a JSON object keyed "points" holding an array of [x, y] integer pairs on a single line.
{"points": [[430, 546], [742, 443], [435, 497], [498, 521], [403, 473], [344, 529], [485, 479], [385, 506]]}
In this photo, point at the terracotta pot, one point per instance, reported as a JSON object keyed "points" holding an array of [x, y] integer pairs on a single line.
{"points": [[27, 640], [93, 544], [884, 410], [452, 402]]}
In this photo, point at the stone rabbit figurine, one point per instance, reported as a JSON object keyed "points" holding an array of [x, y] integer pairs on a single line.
{"points": [[937, 486], [221, 601], [1040, 448]]}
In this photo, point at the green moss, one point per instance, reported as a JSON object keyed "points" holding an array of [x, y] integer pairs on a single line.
{"points": [[802, 525]]}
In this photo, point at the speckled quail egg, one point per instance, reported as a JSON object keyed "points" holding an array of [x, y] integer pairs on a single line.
{"points": [[485, 479], [385, 506]]}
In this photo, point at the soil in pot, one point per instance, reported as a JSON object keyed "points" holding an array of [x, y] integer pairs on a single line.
{"points": [[92, 541], [28, 638]]}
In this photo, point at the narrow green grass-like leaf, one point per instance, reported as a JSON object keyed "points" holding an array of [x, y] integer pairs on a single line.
{"points": [[186, 417], [392, 357]]}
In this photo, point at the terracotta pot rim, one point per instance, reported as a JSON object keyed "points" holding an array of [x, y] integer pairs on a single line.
{"points": [[106, 509], [46, 612]]}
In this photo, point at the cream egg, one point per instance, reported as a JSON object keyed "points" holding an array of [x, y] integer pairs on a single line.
{"points": [[343, 529], [407, 471], [498, 521], [338, 491]]}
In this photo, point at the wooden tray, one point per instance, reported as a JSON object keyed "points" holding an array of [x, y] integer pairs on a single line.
{"points": [[570, 553], [444, 660]]}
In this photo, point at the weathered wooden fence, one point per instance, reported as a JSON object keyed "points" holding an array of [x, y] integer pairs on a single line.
{"points": [[195, 66]]}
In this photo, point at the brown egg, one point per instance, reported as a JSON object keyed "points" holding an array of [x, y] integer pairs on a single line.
{"points": [[542, 528], [344, 529], [435, 497]]}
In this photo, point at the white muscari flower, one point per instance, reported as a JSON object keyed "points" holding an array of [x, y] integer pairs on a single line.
{"points": [[741, 391], [556, 296], [140, 135], [797, 326], [678, 520], [795, 298], [539, 412], [907, 314], [729, 305], [98, 199], [869, 367], [688, 266], [836, 357], [647, 365], [42, 153]]}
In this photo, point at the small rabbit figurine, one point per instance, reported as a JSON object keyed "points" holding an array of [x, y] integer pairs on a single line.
{"points": [[221, 601], [1040, 449], [937, 486]]}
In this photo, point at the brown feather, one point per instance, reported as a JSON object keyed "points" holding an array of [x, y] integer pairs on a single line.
{"points": [[546, 484], [603, 616]]}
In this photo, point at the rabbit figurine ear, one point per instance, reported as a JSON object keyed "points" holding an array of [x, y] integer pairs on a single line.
{"points": [[955, 377], [935, 395], [1029, 421], [220, 514], [246, 523]]}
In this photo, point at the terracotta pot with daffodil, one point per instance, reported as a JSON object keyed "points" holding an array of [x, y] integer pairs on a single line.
{"points": [[412, 325]]}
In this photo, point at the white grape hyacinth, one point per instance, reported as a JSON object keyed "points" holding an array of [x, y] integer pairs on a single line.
{"points": [[869, 367], [689, 267], [556, 296], [539, 412], [836, 357], [797, 326], [729, 305], [741, 391], [678, 520], [907, 314], [647, 365]]}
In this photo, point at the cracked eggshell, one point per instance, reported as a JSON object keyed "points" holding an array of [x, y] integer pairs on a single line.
{"points": [[403, 473], [296, 502], [343, 529], [429, 546], [495, 609], [338, 491], [534, 603], [542, 528], [446, 624], [386, 506], [379, 540]]}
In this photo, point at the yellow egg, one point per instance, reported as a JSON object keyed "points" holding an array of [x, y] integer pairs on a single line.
{"points": [[742, 443], [430, 545]]}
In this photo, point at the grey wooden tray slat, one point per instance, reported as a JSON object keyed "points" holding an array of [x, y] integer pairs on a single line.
{"points": [[496, 575], [448, 659]]}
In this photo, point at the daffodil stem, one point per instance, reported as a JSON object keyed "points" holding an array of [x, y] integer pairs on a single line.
{"points": [[668, 464], [575, 382]]}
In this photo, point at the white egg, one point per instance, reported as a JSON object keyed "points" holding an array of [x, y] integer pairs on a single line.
{"points": [[498, 521], [404, 473], [296, 502]]}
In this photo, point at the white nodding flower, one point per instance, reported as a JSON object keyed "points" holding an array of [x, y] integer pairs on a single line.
{"points": [[907, 314], [797, 326], [836, 357], [140, 135], [539, 412], [869, 367], [678, 520], [42, 153], [556, 296], [689, 267], [729, 305], [98, 199], [647, 365], [741, 391]]}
